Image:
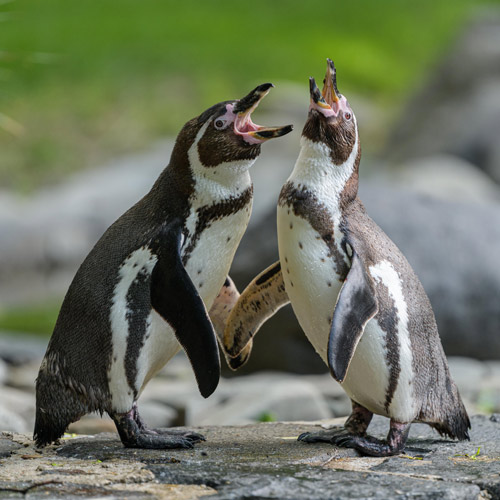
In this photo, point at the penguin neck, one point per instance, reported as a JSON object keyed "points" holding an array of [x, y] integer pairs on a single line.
{"points": [[214, 184], [316, 170]]}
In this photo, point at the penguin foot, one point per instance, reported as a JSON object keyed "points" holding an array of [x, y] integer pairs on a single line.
{"points": [[134, 434], [329, 436], [366, 445], [194, 437], [191, 436]]}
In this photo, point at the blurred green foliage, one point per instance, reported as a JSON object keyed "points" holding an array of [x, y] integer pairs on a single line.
{"points": [[39, 319], [83, 80], [266, 416]]}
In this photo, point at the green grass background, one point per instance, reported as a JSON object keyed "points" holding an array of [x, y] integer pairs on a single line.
{"points": [[88, 79], [84, 80]]}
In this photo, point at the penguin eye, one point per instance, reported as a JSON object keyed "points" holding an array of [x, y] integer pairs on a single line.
{"points": [[347, 116], [220, 124]]}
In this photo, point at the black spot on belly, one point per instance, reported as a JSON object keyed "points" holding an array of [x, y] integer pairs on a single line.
{"points": [[228, 239], [201, 284], [300, 245], [304, 204], [138, 309], [291, 225], [329, 283]]}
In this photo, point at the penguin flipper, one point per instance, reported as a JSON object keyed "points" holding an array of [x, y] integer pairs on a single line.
{"points": [[175, 298], [356, 305], [219, 313], [259, 301]]}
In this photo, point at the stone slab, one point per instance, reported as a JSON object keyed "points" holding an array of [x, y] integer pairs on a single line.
{"points": [[258, 461]]}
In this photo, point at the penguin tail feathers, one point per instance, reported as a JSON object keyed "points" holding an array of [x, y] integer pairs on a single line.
{"points": [[455, 425], [58, 404], [47, 430]]}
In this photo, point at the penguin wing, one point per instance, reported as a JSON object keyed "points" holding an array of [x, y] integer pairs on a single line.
{"points": [[219, 313], [356, 305], [175, 298], [259, 301]]}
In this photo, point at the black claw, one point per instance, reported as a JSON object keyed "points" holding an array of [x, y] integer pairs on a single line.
{"points": [[134, 433]]}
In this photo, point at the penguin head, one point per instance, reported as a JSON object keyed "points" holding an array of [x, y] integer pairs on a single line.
{"points": [[226, 135], [331, 119]]}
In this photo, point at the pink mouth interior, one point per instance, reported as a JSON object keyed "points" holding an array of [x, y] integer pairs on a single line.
{"points": [[244, 124]]}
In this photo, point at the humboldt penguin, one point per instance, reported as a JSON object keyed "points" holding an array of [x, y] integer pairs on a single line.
{"points": [[144, 290], [354, 294]]}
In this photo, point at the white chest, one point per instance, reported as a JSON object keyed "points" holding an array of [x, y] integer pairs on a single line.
{"points": [[310, 277], [209, 261]]}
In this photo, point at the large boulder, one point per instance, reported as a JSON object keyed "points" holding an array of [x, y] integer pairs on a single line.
{"points": [[457, 109]]}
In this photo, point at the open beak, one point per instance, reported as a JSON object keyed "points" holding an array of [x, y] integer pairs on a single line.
{"points": [[243, 125], [328, 101], [330, 91]]}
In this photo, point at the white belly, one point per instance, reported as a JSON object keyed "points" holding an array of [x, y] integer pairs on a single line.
{"points": [[367, 378], [208, 266], [310, 278], [312, 285], [211, 259]]}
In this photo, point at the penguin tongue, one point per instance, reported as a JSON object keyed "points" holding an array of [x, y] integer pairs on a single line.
{"points": [[244, 126]]}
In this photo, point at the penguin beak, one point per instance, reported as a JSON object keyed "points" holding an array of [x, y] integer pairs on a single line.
{"points": [[243, 125], [326, 102], [330, 91]]}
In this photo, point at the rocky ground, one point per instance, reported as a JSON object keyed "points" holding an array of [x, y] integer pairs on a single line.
{"points": [[255, 461], [242, 458]]}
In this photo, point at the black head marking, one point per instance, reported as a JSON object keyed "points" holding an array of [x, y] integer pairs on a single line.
{"points": [[224, 146], [330, 118]]}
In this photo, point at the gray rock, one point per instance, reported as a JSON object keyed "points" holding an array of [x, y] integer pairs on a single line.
{"points": [[24, 376], [240, 399], [7, 446], [264, 395], [18, 349], [3, 371], [157, 415], [266, 461], [454, 250], [19, 410], [12, 421], [457, 110], [468, 374], [446, 177]]}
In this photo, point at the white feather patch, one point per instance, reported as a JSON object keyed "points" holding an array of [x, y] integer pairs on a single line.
{"points": [[402, 405], [139, 260]]}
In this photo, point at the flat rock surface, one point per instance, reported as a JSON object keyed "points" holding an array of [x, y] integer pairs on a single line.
{"points": [[256, 461]]}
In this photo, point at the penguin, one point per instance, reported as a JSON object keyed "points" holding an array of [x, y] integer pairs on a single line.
{"points": [[144, 290], [353, 292]]}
